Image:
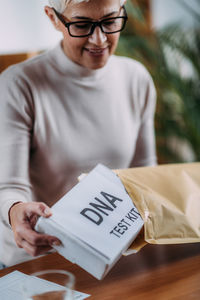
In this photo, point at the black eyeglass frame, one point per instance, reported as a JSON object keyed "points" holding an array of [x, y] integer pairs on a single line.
{"points": [[94, 24]]}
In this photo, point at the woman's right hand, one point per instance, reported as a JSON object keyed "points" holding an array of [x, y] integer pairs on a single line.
{"points": [[23, 217]]}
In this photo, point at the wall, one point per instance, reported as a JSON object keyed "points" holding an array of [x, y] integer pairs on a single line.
{"points": [[25, 27]]}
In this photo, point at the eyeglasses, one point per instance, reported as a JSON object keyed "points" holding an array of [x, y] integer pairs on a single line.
{"points": [[86, 28]]}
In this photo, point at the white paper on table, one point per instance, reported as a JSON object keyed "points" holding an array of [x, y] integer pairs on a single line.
{"points": [[10, 286]]}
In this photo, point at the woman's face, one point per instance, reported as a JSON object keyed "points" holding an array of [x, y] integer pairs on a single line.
{"points": [[93, 51]]}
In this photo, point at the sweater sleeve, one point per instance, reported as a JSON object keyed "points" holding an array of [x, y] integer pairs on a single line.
{"points": [[145, 151], [15, 133]]}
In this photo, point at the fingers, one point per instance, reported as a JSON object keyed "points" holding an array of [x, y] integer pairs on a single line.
{"points": [[23, 218], [37, 239], [33, 250], [20, 212], [39, 208], [34, 243]]}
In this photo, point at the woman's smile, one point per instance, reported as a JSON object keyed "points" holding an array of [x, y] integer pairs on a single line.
{"points": [[96, 52]]}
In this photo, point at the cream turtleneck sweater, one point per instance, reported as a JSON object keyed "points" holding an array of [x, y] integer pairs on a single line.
{"points": [[59, 119]]}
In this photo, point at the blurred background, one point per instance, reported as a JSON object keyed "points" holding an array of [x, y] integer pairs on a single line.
{"points": [[163, 35]]}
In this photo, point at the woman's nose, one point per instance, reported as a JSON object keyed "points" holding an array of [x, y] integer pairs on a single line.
{"points": [[98, 37]]}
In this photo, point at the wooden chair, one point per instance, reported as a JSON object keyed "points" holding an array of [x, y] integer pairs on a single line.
{"points": [[11, 59]]}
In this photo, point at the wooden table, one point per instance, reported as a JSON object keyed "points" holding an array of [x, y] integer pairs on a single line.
{"points": [[155, 273]]}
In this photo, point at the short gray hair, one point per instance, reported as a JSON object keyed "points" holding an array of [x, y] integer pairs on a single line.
{"points": [[60, 5]]}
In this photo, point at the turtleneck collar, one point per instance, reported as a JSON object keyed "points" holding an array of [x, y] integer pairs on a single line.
{"points": [[72, 69]]}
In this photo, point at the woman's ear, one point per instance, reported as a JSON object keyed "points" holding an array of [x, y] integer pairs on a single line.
{"points": [[52, 16]]}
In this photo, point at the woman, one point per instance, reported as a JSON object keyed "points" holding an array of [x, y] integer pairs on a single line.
{"points": [[65, 111]]}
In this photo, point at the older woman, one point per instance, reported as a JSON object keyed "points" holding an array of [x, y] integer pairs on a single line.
{"points": [[65, 111]]}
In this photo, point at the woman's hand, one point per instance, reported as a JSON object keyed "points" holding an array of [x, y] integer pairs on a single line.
{"points": [[23, 217]]}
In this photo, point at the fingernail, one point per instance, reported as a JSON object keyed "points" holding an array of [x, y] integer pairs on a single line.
{"points": [[56, 243], [47, 211]]}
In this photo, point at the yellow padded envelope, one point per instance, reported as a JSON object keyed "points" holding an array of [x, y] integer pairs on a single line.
{"points": [[168, 199]]}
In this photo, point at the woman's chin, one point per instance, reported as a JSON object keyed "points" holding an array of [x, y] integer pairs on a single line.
{"points": [[94, 59], [96, 66]]}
